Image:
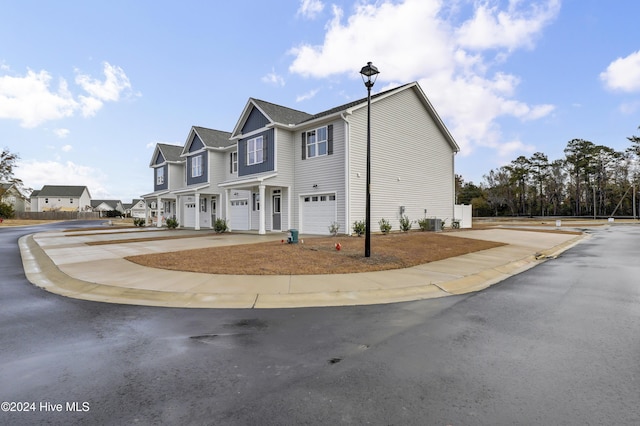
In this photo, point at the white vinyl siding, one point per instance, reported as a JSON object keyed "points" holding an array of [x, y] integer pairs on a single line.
{"points": [[411, 162], [326, 172]]}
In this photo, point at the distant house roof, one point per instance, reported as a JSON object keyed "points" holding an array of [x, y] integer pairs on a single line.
{"points": [[35, 193], [61, 191], [111, 203]]}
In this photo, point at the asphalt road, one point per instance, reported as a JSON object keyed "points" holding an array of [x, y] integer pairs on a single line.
{"points": [[558, 344]]}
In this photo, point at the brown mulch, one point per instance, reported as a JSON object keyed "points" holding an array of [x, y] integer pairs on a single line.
{"points": [[318, 255]]}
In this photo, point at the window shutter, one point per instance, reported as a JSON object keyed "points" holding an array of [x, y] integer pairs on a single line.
{"points": [[330, 139], [231, 162], [304, 145], [265, 144]]}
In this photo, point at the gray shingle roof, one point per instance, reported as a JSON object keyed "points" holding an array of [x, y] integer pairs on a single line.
{"points": [[214, 138], [349, 105], [280, 114], [110, 203], [170, 152], [61, 191]]}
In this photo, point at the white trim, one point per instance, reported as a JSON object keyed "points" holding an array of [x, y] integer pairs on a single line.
{"points": [[193, 189], [247, 182]]}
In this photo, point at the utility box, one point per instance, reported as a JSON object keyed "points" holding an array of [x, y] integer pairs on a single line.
{"points": [[293, 236], [435, 225]]}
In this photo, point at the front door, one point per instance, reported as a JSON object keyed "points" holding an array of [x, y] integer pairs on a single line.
{"points": [[277, 208]]}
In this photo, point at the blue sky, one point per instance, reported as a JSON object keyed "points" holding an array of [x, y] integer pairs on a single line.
{"points": [[87, 88]]}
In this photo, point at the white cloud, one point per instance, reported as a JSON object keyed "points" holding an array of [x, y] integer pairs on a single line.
{"points": [[35, 174], [274, 79], [451, 57], [306, 96], [67, 148], [623, 74], [151, 145], [61, 133], [310, 8], [31, 100], [492, 28]]}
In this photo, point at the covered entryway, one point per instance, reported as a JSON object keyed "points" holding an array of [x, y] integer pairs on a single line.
{"points": [[318, 212], [239, 215]]}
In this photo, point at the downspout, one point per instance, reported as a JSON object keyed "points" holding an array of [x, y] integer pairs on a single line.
{"points": [[453, 168], [347, 174]]}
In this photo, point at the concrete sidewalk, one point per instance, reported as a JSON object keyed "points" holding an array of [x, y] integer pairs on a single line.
{"points": [[62, 263]]}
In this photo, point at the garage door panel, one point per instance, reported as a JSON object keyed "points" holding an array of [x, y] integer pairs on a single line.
{"points": [[240, 215], [189, 213], [318, 212]]}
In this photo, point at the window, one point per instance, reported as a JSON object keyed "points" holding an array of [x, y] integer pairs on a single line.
{"points": [[317, 142], [255, 151], [196, 166], [46, 201], [70, 200], [159, 176], [203, 204], [234, 162], [256, 202]]}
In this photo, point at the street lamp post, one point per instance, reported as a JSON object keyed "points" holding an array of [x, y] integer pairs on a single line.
{"points": [[368, 71]]}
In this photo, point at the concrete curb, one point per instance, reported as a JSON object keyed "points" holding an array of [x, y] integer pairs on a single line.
{"points": [[41, 271]]}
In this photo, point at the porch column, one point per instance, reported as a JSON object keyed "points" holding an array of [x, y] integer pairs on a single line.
{"points": [[227, 208], [178, 212], [147, 213], [158, 216], [263, 206], [197, 211]]}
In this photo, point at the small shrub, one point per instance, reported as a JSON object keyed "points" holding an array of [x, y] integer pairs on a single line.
{"points": [[138, 221], [405, 224], [423, 224], [220, 226], [6, 211], [334, 228], [359, 227], [385, 226], [172, 223]]}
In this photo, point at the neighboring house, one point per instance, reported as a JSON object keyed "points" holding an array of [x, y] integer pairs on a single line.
{"points": [[168, 176], [137, 208], [61, 198], [281, 168], [12, 195], [107, 205]]}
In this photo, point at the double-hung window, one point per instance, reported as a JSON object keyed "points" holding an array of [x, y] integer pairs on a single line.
{"points": [[317, 142], [255, 151], [196, 166], [159, 175], [234, 162]]}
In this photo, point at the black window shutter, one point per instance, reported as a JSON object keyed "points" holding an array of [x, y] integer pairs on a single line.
{"points": [[330, 139], [304, 145], [231, 162]]}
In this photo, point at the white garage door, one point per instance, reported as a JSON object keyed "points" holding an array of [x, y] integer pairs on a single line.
{"points": [[189, 213], [318, 212], [239, 215]]}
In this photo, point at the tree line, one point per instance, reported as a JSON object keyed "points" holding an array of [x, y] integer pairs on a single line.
{"points": [[591, 180]]}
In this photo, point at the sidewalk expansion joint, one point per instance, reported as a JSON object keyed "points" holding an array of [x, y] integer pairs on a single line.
{"points": [[437, 285]]}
